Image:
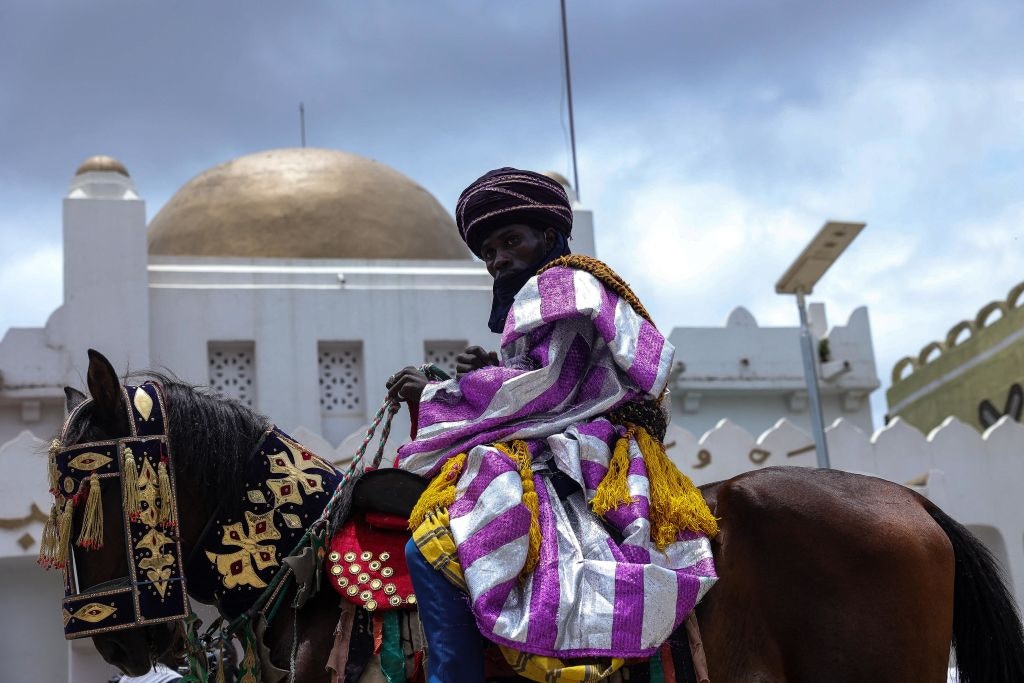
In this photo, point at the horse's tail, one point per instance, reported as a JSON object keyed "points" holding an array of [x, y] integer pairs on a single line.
{"points": [[987, 633]]}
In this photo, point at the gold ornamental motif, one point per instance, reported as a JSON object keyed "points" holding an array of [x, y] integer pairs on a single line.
{"points": [[336, 569], [354, 569], [334, 556], [387, 572], [395, 601], [366, 555], [298, 469], [350, 556], [157, 564], [89, 462], [375, 565], [363, 578], [143, 403], [375, 584], [352, 590], [239, 568], [94, 612], [384, 557], [389, 589], [370, 605], [342, 581]]}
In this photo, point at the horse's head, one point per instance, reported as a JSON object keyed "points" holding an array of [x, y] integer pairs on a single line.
{"points": [[112, 571]]}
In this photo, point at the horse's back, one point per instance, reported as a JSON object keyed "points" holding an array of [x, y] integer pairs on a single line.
{"points": [[826, 575]]}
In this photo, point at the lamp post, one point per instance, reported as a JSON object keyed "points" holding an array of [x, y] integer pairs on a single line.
{"points": [[799, 279]]}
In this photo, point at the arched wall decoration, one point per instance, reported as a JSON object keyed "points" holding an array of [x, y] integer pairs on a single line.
{"points": [[1014, 300], [929, 353], [953, 338], [901, 365], [983, 319]]}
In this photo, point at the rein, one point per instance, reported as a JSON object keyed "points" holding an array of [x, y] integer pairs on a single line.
{"points": [[315, 537]]}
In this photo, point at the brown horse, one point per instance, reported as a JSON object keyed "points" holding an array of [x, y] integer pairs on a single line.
{"points": [[824, 575]]}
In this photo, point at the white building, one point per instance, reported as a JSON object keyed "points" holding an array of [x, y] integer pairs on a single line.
{"points": [[297, 281]]}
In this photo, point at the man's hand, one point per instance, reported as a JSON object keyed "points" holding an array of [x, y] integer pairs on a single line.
{"points": [[474, 358], [407, 386]]}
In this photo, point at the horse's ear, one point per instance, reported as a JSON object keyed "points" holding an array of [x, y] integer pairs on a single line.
{"points": [[105, 388], [73, 398]]}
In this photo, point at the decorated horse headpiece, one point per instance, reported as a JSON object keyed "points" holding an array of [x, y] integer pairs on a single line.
{"points": [[154, 590]]}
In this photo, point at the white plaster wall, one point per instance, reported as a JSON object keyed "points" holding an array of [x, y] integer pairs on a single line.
{"points": [[752, 375], [758, 411], [32, 647], [106, 299], [391, 309]]}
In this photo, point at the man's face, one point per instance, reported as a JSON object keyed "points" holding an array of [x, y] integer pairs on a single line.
{"points": [[514, 248]]}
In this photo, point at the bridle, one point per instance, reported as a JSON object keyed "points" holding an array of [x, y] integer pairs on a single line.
{"points": [[154, 591]]}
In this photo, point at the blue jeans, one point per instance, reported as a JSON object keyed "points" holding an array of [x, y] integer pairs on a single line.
{"points": [[454, 645]]}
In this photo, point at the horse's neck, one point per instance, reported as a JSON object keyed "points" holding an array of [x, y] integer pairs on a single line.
{"points": [[234, 558]]}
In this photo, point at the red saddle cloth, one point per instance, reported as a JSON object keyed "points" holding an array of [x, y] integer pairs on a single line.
{"points": [[366, 562]]}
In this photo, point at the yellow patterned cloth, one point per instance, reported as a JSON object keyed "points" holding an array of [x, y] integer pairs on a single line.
{"points": [[434, 539]]}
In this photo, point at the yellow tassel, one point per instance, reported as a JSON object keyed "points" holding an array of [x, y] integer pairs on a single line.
{"points": [[167, 516], [221, 674], [63, 542], [676, 504], [520, 455], [440, 494], [54, 473], [48, 544], [91, 536], [613, 491], [130, 476]]}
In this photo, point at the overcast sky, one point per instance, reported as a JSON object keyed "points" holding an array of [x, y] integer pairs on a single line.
{"points": [[714, 137]]}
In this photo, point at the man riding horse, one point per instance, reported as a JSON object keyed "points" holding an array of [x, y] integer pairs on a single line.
{"points": [[555, 525]]}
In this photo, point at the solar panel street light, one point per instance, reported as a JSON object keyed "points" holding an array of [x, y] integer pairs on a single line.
{"points": [[822, 251], [799, 279]]}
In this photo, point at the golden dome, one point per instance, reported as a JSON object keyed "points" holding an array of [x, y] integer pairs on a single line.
{"points": [[305, 203], [102, 163]]}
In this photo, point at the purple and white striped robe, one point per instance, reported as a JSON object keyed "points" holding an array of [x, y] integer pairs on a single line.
{"points": [[571, 351]]}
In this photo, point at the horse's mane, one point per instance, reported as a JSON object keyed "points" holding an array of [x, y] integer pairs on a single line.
{"points": [[213, 437]]}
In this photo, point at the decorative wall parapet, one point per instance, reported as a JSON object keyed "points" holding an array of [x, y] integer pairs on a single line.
{"points": [[974, 477], [963, 337]]}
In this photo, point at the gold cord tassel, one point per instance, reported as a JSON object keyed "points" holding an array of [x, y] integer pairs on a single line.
{"points": [[613, 491], [167, 516], [91, 536], [48, 544], [676, 504], [520, 455], [67, 515], [440, 494], [130, 475], [54, 473]]}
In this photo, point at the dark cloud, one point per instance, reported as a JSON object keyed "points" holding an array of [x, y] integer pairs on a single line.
{"points": [[905, 114]]}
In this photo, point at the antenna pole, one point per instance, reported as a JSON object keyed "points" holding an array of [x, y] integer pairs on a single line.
{"points": [[302, 123], [568, 88]]}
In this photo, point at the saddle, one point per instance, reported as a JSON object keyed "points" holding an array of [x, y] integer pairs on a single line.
{"points": [[365, 559]]}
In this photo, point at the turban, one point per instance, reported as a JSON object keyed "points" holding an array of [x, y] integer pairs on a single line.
{"points": [[508, 195]]}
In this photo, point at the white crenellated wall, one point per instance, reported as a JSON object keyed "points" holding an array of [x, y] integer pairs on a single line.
{"points": [[976, 478]]}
